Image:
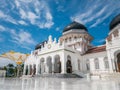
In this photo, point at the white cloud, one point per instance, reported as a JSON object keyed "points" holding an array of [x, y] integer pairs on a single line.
{"points": [[57, 29], [6, 61], [95, 14], [100, 20], [22, 38], [22, 22], [88, 16], [41, 17], [32, 17], [2, 28], [22, 13], [7, 18], [2, 15]]}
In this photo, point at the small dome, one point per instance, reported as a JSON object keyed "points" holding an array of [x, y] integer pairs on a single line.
{"points": [[75, 26], [115, 22], [40, 45]]}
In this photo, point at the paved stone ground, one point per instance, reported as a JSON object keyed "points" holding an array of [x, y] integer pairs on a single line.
{"points": [[36, 83]]}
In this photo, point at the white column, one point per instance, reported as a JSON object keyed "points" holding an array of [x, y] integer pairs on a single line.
{"points": [[63, 63], [28, 70], [24, 71], [45, 64], [111, 61], [92, 65], [52, 65], [33, 70], [37, 69]]}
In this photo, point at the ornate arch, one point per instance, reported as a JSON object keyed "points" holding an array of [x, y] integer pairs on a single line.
{"points": [[57, 64], [69, 64], [106, 63], [42, 66], [117, 60], [96, 61], [49, 64]]}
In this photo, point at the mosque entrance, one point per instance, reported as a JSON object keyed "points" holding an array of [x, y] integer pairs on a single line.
{"points": [[69, 65], [42, 66], [26, 71], [57, 64], [118, 62], [49, 65]]}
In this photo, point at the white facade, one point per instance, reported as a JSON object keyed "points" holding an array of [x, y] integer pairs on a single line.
{"points": [[72, 54]]}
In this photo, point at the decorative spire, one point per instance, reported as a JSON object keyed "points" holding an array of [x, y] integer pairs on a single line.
{"points": [[55, 40], [50, 38]]}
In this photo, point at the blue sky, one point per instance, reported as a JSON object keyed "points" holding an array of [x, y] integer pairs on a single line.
{"points": [[25, 23]]}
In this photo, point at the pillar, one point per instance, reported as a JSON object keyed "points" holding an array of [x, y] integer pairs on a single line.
{"points": [[111, 61], [45, 66], [92, 65], [24, 71], [63, 64], [52, 65], [28, 70], [37, 69]]}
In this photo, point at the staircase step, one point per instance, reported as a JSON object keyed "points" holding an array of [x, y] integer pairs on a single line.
{"points": [[59, 76]]}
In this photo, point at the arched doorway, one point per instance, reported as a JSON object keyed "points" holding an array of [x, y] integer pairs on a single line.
{"points": [[49, 65], [42, 66], [118, 61], [31, 70], [57, 64], [68, 65], [26, 71], [34, 69]]}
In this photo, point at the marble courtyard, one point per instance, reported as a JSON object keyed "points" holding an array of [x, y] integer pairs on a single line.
{"points": [[57, 84]]}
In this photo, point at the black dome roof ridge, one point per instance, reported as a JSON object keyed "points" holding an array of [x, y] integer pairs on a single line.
{"points": [[74, 25], [115, 21]]}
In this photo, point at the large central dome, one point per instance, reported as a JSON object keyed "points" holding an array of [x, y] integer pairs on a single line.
{"points": [[75, 26], [115, 22]]}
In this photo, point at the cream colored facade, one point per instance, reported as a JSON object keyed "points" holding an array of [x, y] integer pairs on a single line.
{"points": [[71, 54]]}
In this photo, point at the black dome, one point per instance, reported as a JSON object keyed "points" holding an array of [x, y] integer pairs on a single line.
{"points": [[74, 25], [38, 46], [115, 22]]}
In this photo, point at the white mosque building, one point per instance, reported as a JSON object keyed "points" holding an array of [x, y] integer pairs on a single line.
{"points": [[73, 53]]}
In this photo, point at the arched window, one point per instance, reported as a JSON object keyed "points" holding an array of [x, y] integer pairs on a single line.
{"points": [[106, 63], [96, 61], [68, 57], [87, 65], [70, 39], [66, 40], [75, 38]]}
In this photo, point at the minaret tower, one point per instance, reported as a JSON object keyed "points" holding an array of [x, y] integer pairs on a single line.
{"points": [[76, 36]]}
